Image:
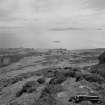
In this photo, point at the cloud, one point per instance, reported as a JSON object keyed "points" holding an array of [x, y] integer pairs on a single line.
{"points": [[82, 12], [66, 29], [96, 4], [34, 8], [74, 29]]}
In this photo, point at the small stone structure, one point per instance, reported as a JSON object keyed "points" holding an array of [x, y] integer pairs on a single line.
{"points": [[4, 60]]}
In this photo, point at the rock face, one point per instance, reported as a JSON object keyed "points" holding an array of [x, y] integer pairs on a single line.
{"points": [[101, 58]]}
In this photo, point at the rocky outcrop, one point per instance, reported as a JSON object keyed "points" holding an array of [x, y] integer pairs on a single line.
{"points": [[28, 87], [101, 58]]}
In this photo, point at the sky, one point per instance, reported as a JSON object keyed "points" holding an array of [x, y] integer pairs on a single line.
{"points": [[71, 24]]}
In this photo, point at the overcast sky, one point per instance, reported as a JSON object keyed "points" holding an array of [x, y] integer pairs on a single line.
{"points": [[75, 24]]}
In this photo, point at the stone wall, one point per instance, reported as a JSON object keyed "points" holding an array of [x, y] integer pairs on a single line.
{"points": [[8, 59]]}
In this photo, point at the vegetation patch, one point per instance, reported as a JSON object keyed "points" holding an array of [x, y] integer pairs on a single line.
{"points": [[28, 87]]}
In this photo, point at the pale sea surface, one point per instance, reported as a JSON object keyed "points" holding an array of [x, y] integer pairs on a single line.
{"points": [[37, 37]]}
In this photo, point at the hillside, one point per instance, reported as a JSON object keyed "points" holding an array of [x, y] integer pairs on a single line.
{"points": [[49, 76]]}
